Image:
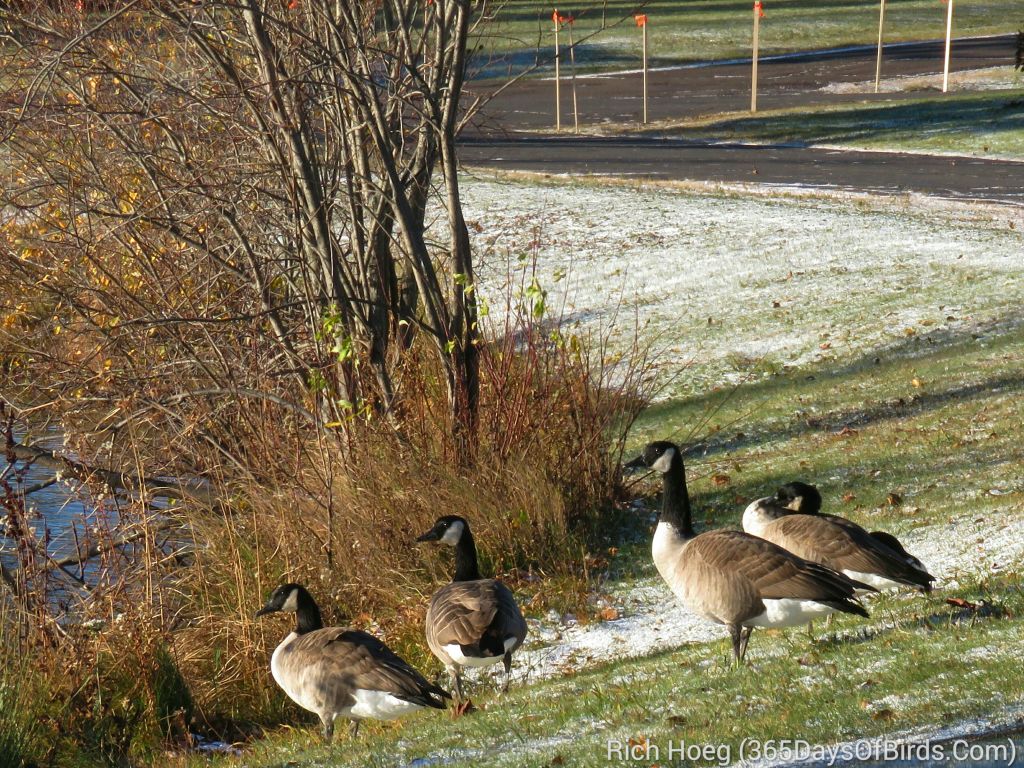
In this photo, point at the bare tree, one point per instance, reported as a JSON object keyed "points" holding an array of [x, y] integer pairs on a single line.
{"points": [[219, 210]]}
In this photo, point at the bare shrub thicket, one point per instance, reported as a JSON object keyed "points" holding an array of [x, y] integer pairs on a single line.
{"points": [[233, 251]]}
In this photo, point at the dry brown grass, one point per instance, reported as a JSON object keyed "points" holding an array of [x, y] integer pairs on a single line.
{"points": [[174, 647]]}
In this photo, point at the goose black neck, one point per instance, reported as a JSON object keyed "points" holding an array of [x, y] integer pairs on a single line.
{"points": [[307, 615], [466, 568], [675, 499]]}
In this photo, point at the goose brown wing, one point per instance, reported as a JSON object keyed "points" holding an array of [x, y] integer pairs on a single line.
{"points": [[842, 545], [773, 572], [462, 611], [337, 659]]}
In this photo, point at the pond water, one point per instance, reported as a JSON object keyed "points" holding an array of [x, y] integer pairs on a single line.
{"points": [[62, 516]]}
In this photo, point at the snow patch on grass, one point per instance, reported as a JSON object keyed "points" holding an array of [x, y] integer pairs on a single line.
{"points": [[983, 79], [651, 619], [738, 283]]}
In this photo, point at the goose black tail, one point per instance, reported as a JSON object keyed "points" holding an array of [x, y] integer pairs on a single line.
{"points": [[847, 606], [429, 695]]}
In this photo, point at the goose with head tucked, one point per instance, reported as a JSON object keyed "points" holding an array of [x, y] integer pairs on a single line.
{"points": [[730, 577], [792, 519], [338, 672], [471, 622]]}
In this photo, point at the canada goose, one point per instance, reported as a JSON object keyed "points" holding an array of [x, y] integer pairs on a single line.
{"points": [[792, 519], [335, 671], [731, 577], [472, 622]]}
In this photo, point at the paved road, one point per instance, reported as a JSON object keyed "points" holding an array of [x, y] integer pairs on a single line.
{"points": [[955, 178], [499, 140]]}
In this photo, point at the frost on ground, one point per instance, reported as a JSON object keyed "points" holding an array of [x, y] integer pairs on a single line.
{"points": [[651, 619], [741, 283], [727, 285], [984, 79]]}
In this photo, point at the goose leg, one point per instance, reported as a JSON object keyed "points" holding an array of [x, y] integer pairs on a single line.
{"points": [[456, 683], [508, 672], [353, 730], [745, 634], [328, 721], [734, 632]]}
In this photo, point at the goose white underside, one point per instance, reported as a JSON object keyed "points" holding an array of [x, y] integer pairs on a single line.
{"points": [[379, 705], [874, 580], [789, 612], [455, 653]]}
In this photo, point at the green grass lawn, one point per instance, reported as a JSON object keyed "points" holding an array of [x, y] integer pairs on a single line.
{"points": [[714, 29], [979, 124], [920, 660], [912, 437]]}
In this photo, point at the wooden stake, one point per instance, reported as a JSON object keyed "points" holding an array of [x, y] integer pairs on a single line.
{"points": [[878, 61], [558, 80], [949, 41], [572, 69], [753, 74], [645, 69]]}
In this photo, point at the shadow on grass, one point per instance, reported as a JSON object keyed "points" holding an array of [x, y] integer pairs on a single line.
{"points": [[884, 361]]}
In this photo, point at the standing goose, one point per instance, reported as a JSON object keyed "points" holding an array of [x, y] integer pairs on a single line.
{"points": [[792, 519], [730, 577], [334, 671], [472, 622]]}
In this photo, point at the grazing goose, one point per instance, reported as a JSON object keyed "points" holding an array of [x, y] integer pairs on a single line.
{"points": [[334, 671], [472, 622], [733, 578], [792, 519]]}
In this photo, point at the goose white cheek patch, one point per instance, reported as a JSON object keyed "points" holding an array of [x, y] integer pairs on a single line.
{"points": [[664, 461], [292, 603], [453, 534]]}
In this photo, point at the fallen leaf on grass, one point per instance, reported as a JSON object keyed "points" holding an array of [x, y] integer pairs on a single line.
{"points": [[959, 602], [848, 497], [720, 479], [608, 614]]}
